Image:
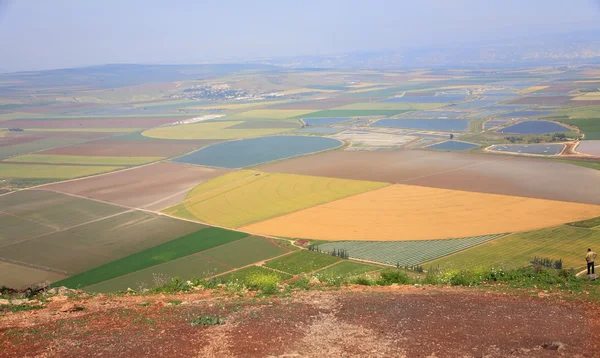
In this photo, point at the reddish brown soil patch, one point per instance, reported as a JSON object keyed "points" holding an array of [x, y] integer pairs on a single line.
{"points": [[131, 148], [142, 186], [91, 123], [544, 101], [381, 322], [528, 177]]}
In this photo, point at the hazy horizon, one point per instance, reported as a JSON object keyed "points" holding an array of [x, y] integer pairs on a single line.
{"points": [[66, 33]]}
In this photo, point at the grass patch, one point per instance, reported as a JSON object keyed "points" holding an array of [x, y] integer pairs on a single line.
{"points": [[590, 223], [347, 268], [243, 274], [18, 308], [244, 252], [302, 262], [79, 159], [581, 163], [205, 320], [195, 242], [516, 250]]}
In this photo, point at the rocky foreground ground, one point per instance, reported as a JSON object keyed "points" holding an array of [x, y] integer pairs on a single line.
{"points": [[397, 321]]}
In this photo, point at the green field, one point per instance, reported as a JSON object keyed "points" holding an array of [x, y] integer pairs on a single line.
{"points": [[210, 130], [590, 223], [31, 171], [242, 275], [17, 149], [186, 245], [185, 268], [80, 159], [347, 268], [565, 242], [353, 113], [302, 262], [405, 252], [86, 246], [244, 252], [247, 196]]}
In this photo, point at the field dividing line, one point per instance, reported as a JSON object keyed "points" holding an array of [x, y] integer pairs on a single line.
{"points": [[258, 264], [70, 227], [56, 228], [171, 196], [37, 267], [325, 267]]}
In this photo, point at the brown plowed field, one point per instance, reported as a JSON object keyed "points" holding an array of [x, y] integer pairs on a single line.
{"points": [[379, 322], [508, 175], [131, 148], [407, 212], [90, 123], [141, 186]]}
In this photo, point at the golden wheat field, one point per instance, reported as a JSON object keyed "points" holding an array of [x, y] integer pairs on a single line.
{"points": [[405, 212]]}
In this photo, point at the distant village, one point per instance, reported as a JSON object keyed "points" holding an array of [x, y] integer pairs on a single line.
{"points": [[223, 92]]}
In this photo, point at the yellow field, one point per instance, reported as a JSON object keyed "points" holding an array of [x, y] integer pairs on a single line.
{"points": [[80, 159], [50, 171], [273, 113], [247, 196], [392, 106], [532, 89], [405, 212], [364, 84], [210, 130], [591, 96]]}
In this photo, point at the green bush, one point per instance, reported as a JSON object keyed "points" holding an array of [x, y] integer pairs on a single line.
{"points": [[391, 276], [362, 280], [267, 283], [207, 321]]}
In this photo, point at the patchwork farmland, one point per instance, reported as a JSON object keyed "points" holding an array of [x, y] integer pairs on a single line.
{"points": [[111, 188], [247, 196]]}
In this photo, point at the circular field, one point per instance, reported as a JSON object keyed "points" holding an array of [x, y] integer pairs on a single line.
{"points": [[220, 130]]}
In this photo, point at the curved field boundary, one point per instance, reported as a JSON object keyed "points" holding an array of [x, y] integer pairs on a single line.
{"points": [[406, 213], [406, 252], [248, 196], [243, 153]]}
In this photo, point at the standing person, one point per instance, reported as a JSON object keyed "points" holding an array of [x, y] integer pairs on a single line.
{"points": [[590, 257]]}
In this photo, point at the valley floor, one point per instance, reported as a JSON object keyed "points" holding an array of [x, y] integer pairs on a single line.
{"points": [[396, 321]]}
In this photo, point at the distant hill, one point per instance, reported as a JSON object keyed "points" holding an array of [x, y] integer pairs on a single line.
{"points": [[560, 49], [120, 75]]}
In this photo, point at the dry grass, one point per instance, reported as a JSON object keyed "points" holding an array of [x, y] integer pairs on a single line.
{"points": [[404, 212]]}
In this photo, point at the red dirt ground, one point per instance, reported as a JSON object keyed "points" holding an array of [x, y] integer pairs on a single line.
{"points": [[91, 123], [508, 175], [131, 148], [27, 137], [141, 187], [381, 322]]}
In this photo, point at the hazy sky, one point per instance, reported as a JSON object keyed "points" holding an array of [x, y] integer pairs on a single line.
{"points": [[42, 34]]}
